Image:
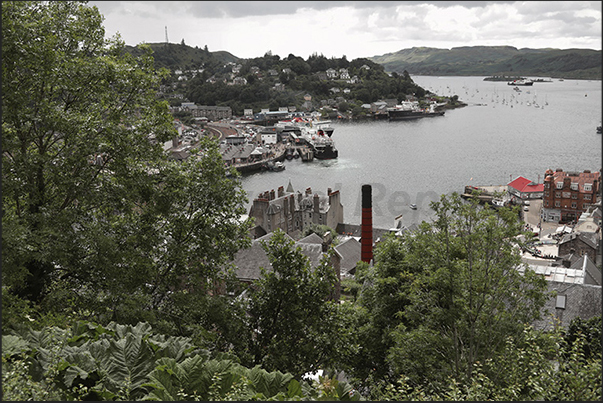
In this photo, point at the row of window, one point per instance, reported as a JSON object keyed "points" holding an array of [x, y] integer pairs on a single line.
{"points": [[588, 187], [567, 195], [558, 204]]}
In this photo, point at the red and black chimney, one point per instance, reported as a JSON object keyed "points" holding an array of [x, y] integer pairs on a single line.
{"points": [[366, 237]]}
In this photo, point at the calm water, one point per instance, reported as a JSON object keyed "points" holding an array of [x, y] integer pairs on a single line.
{"points": [[494, 139]]}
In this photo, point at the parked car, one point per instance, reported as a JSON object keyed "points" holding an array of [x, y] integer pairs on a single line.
{"points": [[526, 208]]}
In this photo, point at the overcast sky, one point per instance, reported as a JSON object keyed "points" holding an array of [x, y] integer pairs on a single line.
{"points": [[249, 29]]}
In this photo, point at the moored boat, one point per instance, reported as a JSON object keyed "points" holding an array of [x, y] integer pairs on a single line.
{"points": [[521, 82], [317, 135]]}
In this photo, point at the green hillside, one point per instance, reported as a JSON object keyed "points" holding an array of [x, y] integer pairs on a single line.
{"points": [[181, 56], [495, 60]]}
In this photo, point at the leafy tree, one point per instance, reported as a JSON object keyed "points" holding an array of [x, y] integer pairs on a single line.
{"points": [[449, 294], [96, 216], [533, 366], [591, 331], [296, 325]]}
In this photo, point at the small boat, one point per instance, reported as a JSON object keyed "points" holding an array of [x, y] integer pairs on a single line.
{"points": [[273, 166], [413, 206]]}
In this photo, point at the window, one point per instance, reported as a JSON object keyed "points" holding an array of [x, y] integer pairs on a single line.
{"points": [[559, 185], [546, 203], [546, 185], [557, 195], [546, 194], [574, 195], [586, 197], [560, 303], [574, 186], [566, 195], [574, 205], [557, 203], [588, 187]]}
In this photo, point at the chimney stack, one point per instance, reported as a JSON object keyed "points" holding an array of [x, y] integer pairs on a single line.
{"points": [[366, 237]]}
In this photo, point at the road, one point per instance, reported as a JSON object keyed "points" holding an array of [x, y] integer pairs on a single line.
{"points": [[532, 218], [221, 130]]}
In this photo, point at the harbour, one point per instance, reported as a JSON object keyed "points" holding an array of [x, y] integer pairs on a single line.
{"points": [[483, 144]]}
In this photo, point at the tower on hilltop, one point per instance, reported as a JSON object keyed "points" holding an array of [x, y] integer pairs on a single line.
{"points": [[166, 37]]}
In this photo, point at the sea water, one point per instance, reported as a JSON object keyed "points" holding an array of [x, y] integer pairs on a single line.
{"points": [[501, 134]]}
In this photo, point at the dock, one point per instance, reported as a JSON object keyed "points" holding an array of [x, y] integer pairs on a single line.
{"points": [[487, 193], [305, 153]]}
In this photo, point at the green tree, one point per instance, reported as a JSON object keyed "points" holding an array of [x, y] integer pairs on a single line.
{"points": [[533, 366], [449, 294], [95, 214], [297, 326]]}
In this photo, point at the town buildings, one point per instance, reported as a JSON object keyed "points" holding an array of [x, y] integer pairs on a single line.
{"points": [[568, 194]]}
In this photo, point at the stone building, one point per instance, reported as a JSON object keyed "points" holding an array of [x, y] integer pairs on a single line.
{"points": [[293, 211], [568, 194], [580, 244]]}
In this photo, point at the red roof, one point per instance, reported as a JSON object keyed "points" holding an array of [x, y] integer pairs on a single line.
{"points": [[525, 185]]}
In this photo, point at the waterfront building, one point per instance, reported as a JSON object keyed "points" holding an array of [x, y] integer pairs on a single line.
{"points": [[568, 194], [525, 189]]}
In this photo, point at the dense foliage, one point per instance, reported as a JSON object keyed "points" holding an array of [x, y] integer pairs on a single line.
{"points": [[297, 324], [446, 296], [97, 220], [117, 362]]}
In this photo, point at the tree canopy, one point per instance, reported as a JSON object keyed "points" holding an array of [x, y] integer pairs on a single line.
{"points": [[446, 296], [94, 210]]}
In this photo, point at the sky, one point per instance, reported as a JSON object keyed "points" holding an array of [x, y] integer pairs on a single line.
{"points": [[355, 29]]}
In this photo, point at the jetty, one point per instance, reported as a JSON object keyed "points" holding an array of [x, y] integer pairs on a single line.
{"points": [[276, 155], [486, 194], [305, 153]]}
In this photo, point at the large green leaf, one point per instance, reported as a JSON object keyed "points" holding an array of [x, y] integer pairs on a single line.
{"points": [[129, 364], [269, 383], [164, 381], [12, 345], [174, 347]]}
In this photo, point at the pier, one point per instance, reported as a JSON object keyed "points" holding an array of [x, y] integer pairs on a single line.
{"points": [[305, 153], [487, 193]]}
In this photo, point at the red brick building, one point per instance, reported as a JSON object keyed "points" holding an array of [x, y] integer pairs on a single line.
{"points": [[568, 194]]}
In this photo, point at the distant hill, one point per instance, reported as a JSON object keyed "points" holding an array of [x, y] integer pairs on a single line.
{"points": [[494, 60], [179, 56]]}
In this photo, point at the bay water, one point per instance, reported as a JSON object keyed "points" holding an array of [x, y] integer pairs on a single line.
{"points": [[501, 134]]}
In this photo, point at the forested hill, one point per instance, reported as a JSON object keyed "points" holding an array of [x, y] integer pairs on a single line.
{"points": [[495, 60], [181, 56]]}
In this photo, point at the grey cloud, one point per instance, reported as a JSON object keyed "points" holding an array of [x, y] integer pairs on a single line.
{"points": [[237, 9]]}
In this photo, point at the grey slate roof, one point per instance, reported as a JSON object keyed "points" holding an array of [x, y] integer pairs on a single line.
{"points": [[581, 300], [248, 261], [313, 238], [592, 275], [588, 238], [350, 251], [355, 230]]}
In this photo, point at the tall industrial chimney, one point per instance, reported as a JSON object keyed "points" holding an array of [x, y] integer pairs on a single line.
{"points": [[366, 237]]}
